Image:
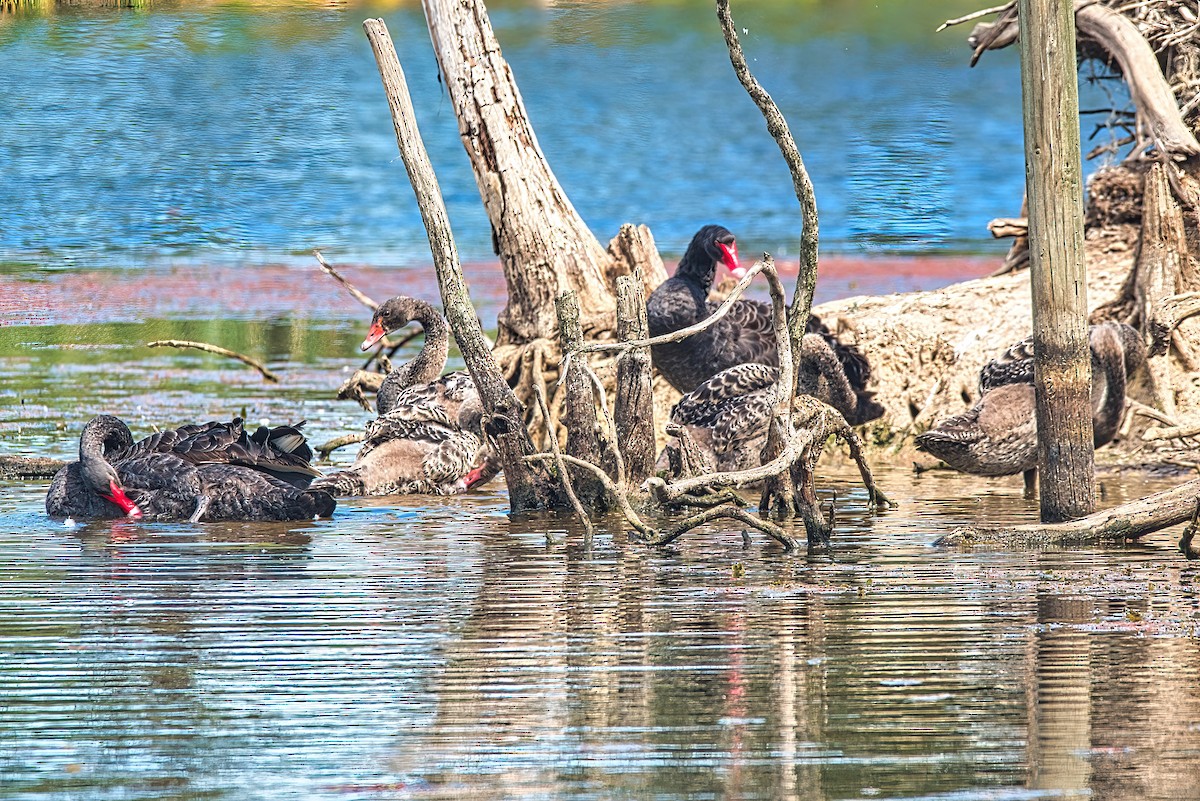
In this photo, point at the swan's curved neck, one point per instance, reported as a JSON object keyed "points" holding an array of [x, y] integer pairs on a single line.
{"points": [[427, 366], [1108, 354]]}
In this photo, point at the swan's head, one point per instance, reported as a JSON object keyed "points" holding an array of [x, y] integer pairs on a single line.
{"points": [[391, 315], [711, 246]]}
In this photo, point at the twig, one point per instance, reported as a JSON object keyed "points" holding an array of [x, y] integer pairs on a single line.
{"points": [[972, 16], [339, 442], [329, 270], [540, 393], [207, 348], [622, 498], [682, 333], [708, 515]]}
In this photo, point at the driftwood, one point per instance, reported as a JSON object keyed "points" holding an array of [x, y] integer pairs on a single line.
{"points": [[579, 412], [544, 246], [332, 445], [1118, 524], [207, 348], [25, 467], [634, 404], [504, 414], [565, 477], [1158, 113]]}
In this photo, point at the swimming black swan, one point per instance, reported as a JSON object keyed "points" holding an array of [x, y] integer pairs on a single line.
{"points": [[427, 439], [744, 335], [998, 436], [206, 472]]}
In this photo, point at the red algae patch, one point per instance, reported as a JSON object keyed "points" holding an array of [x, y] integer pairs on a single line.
{"points": [[80, 297]]}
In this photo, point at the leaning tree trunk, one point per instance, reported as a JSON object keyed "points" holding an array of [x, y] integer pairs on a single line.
{"points": [[543, 243]]}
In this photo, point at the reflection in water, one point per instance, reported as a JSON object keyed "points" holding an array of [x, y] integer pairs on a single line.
{"points": [[433, 647]]}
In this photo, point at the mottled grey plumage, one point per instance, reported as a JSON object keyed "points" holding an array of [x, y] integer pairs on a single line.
{"points": [[727, 417], [427, 438], [998, 436]]}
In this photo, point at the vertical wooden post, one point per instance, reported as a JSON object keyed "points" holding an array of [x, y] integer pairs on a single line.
{"points": [[579, 410], [634, 406], [1062, 359]]}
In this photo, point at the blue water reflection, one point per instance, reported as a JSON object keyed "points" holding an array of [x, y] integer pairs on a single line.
{"points": [[223, 133]]}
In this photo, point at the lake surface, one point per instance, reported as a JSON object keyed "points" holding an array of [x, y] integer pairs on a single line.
{"points": [[217, 132], [165, 172]]}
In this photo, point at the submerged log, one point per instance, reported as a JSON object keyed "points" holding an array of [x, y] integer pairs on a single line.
{"points": [[25, 467], [1118, 524]]}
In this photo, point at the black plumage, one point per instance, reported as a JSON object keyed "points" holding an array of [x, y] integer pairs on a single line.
{"points": [[200, 472], [745, 335]]}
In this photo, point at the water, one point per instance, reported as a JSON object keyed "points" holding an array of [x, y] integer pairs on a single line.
{"points": [[163, 174], [222, 133], [437, 650]]}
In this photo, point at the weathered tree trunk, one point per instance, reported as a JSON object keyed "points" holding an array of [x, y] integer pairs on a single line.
{"points": [[504, 412], [543, 243], [1062, 359], [634, 405], [584, 440]]}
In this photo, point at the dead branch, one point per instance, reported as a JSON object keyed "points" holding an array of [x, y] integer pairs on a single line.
{"points": [[207, 348], [338, 442], [1167, 314], [621, 496], [806, 281], [682, 333], [1003, 227], [14, 467], [1189, 532], [1157, 110], [634, 403], [1118, 524], [972, 16], [1171, 432], [360, 384], [329, 270], [707, 516], [504, 415], [567, 484], [579, 408]]}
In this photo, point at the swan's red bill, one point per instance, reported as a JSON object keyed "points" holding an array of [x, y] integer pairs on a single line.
{"points": [[475, 476], [118, 496], [374, 335], [730, 258]]}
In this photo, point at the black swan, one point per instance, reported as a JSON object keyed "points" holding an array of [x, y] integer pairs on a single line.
{"points": [[206, 472], [726, 417], [744, 335], [427, 439], [998, 436]]}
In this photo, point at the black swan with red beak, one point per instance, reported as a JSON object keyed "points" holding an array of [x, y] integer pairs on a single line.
{"points": [[745, 335], [205, 472]]}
